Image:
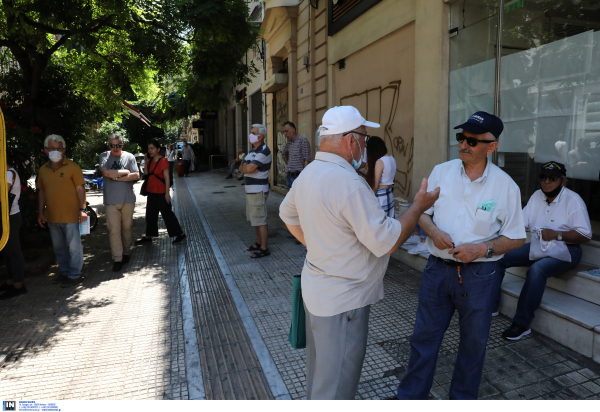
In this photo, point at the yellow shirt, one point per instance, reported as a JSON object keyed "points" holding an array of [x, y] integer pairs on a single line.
{"points": [[60, 193]]}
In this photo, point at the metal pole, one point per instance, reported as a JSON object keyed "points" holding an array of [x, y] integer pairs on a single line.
{"points": [[498, 66]]}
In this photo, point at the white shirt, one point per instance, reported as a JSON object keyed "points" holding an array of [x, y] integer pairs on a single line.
{"points": [[458, 211], [170, 155], [347, 236], [15, 190], [566, 212]]}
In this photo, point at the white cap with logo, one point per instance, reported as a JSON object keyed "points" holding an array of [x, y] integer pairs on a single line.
{"points": [[342, 119]]}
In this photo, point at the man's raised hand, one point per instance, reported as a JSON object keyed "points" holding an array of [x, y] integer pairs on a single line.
{"points": [[424, 199]]}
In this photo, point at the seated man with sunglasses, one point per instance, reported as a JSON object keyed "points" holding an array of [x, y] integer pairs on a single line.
{"points": [[476, 220], [120, 172], [560, 216]]}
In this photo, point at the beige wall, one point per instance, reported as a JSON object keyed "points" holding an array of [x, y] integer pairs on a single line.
{"points": [[379, 81], [294, 32]]}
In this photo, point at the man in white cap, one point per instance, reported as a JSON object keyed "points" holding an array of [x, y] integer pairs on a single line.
{"points": [[334, 213]]}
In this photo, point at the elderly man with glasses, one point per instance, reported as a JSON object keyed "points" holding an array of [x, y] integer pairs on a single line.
{"points": [[335, 214], [559, 222], [475, 221], [120, 172]]}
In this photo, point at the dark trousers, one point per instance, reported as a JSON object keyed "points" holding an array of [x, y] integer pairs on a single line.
{"points": [[13, 257], [157, 203], [440, 295], [186, 167], [538, 273]]}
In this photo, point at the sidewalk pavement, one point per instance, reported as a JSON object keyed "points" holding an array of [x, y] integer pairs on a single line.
{"points": [[222, 332]]}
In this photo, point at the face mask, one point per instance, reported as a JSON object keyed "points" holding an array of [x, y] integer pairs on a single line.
{"points": [[55, 156], [554, 193], [253, 138], [356, 164]]}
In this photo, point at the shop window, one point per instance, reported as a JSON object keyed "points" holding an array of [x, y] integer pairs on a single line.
{"points": [[549, 89]]}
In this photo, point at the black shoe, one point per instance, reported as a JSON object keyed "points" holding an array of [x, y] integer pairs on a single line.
{"points": [[179, 239], [5, 287], [143, 240], [58, 279], [515, 332], [229, 177], [70, 282], [125, 259], [13, 292], [241, 178], [117, 266]]}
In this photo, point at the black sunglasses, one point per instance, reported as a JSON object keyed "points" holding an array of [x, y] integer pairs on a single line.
{"points": [[471, 141], [116, 146], [552, 178]]}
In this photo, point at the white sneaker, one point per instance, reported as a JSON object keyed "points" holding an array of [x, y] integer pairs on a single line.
{"points": [[420, 248], [413, 240]]}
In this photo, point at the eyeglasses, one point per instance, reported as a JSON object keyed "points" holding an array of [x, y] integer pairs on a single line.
{"points": [[116, 146], [367, 136], [54, 148], [552, 178], [471, 141]]}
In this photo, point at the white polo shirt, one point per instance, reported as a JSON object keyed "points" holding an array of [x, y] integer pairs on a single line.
{"points": [[347, 236], [460, 209], [566, 212]]}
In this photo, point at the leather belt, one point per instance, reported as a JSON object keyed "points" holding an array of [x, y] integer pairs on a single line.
{"points": [[296, 174], [448, 262]]}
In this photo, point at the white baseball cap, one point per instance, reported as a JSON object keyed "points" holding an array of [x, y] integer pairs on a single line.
{"points": [[342, 119]]}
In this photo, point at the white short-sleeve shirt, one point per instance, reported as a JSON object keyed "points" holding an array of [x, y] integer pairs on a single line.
{"points": [[566, 212], [461, 211], [347, 236], [16, 190]]}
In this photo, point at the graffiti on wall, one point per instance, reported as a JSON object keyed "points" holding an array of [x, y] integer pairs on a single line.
{"points": [[381, 105]]}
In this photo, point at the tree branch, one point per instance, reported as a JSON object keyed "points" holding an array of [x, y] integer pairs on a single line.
{"points": [[94, 26]]}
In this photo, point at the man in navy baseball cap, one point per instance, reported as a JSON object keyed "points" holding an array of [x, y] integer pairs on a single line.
{"points": [[483, 122]]}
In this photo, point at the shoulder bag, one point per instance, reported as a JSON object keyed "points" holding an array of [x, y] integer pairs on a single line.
{"points": [[144, 188]]}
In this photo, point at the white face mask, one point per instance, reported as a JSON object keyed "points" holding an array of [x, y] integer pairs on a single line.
{"points": [[55, 156], [253, 138]]}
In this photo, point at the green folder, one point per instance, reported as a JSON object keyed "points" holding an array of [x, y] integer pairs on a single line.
{"points": [[297, 336]]}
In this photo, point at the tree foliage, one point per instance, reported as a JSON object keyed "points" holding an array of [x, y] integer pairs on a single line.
{"points": [[63, 59]]}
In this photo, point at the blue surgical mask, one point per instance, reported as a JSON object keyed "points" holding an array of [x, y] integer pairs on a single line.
{"points": [[355, 164]]}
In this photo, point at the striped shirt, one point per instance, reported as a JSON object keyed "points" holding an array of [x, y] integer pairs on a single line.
{"points": [[299, 151], [258, 181]]}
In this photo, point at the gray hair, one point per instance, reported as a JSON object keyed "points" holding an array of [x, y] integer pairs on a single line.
{"points": [[115, 136], [334, 139], [262, 130], [55, 138]]}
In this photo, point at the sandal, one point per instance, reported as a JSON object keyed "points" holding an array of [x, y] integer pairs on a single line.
{"points": [[260, 253], [252, 247]]}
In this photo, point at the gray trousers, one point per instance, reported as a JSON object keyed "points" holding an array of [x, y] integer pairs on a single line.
{"points": [[335, 352], [13, 257]]}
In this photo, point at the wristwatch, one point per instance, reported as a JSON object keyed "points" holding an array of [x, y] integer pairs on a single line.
{"points": [[490, 251], [559, 237], [82, 210]]}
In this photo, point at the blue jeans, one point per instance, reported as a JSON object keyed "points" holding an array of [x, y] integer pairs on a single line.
{"points": [[440, 295], [539, 271], [67, 248], [290, 180]]}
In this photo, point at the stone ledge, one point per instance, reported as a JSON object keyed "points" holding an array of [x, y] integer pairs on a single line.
{"points": [[578, 311]]}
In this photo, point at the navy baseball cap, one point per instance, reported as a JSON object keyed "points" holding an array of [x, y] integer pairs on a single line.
{"points": [[483, 122], [554, 169]]}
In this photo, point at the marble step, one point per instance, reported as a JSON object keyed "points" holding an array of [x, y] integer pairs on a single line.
{"points": [[569, 320], [573, 282]]}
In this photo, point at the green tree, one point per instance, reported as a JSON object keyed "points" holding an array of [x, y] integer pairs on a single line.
{"points": [[71, 55]]}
